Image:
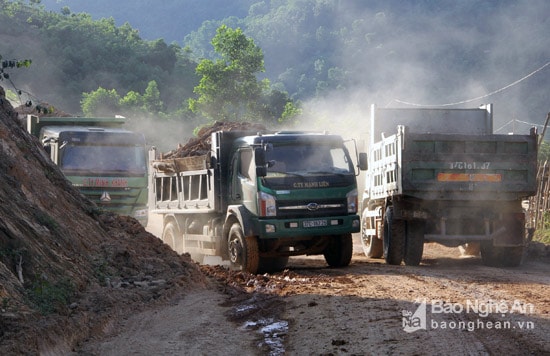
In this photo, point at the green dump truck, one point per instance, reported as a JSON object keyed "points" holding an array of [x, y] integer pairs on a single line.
{"points": [[107, 163], [257, 198], [441, 175]]}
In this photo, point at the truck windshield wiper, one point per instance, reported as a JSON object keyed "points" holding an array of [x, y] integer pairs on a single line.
{"points": [[288, 173], [329, 172]]}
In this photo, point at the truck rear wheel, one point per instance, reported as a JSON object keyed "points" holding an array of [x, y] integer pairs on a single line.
{"points": [[243, 251], [339, 251], [414, 244], [394, 238], [373, 247], [506, 256], [499, 256]]}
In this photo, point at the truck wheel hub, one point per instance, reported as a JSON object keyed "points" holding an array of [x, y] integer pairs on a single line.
{"points": [[235, 250]]}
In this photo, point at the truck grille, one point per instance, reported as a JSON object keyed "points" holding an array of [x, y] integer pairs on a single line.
{"points": [[311, 208], [121, 198]]}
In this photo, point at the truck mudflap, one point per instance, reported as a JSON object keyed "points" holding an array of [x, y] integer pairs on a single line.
{"points": [[506, 232], [318, 226]]}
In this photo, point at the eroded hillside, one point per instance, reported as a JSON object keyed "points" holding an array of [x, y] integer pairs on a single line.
{"points": [[65, 267]]}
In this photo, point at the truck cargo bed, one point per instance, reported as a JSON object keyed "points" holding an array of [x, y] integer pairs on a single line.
{"points": [[454, 167]]}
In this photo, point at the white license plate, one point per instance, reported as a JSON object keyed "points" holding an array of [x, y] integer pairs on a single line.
{"points": [[315, 223]]}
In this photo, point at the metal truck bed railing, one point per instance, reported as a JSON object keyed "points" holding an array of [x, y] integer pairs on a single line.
{"points": [[189, 190]]}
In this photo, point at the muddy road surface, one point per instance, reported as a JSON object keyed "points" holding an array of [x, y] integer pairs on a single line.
{"points": [[447, 305]]}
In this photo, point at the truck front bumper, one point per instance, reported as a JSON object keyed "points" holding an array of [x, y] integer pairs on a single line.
{"points": [[317, 226]]}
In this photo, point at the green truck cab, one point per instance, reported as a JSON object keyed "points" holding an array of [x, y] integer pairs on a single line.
{"points": [[257, 199], [105, 162]]}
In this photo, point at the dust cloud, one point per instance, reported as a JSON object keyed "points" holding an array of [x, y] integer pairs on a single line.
{"points": [[408, 59]]}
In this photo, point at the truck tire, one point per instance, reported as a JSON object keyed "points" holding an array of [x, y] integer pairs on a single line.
{"points": [[505, 256], [414, 244], [394, 238], [243, 251], [339, 251], [272, 264], [170, 235], [498, 256], [373, 247]]}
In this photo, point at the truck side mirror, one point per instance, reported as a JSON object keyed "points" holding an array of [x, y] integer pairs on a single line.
{"points": [[363, 161], [259, 156], [259, 159]]}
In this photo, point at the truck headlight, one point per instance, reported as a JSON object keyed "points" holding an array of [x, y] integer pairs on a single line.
{"points": [[141, 213], [266, 203], [352, 201]]}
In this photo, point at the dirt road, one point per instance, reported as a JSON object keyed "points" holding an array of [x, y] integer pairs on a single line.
{"points": [[447, 305]]}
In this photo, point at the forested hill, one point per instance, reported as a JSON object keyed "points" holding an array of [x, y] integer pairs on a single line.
{"points": [[170, 20], [338, 56]]}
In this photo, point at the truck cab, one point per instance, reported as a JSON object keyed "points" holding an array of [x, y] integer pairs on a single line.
{"points": [[106, 163], [295, 175]]}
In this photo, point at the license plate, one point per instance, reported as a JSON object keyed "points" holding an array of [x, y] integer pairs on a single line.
{"points": [[315, 223]]}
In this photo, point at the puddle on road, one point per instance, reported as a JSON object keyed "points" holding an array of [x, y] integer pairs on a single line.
{"points": [[273, 332], [260, 313]]}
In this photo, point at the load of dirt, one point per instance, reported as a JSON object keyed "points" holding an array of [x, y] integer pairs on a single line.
{"points": [[200, 145], [68, 268]]}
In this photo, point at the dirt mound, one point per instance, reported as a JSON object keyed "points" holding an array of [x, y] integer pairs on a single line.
{"points": [[42, 109], [201, 145], [67, 268]]}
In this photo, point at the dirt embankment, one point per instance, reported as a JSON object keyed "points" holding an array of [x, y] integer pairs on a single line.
{"points": [[66, 269]]}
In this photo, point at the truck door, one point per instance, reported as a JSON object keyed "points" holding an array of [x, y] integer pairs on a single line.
{"points": [[243, 178]]}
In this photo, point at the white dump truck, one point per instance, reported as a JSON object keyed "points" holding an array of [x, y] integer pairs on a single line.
{"points": [[441, 175]]}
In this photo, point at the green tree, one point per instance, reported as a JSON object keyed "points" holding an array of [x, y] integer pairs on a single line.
{"points": [[101, 102], [228, 88], [151, 98]]}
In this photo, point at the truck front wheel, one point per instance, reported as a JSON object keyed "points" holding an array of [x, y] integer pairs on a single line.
{"points": [[394, 238], [272, 264], [243, 251], [170, 235], [339, 251], [372, 245]]}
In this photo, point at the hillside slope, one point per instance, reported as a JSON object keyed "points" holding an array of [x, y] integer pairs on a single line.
{"points": [[66, 268]]}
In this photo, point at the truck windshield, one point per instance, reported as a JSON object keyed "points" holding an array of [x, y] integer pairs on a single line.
{"points": [[308, 159], [127, 160]]}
